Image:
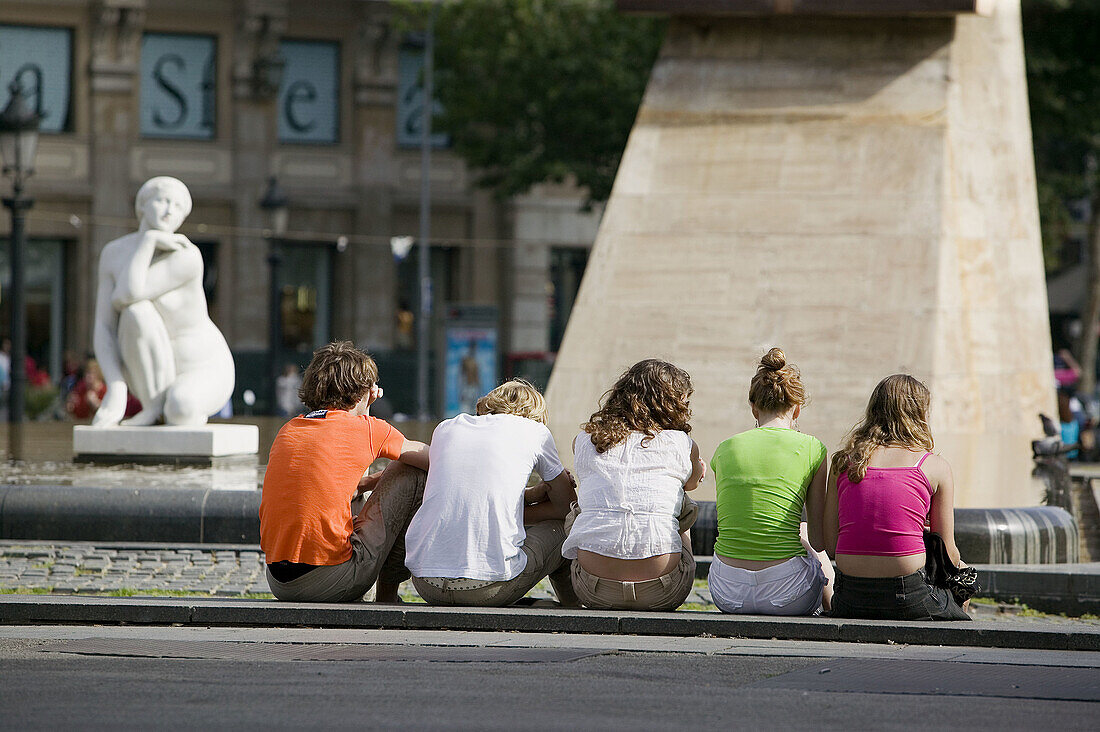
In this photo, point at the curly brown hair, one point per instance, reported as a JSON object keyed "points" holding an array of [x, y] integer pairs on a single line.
{"points": [[338, 377], [650, 396]]}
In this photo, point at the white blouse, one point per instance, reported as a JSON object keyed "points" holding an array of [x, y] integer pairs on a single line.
{"points": [[630, 496]]}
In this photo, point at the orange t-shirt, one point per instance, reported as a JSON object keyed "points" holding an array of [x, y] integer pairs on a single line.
{"points": [[314, 470]]}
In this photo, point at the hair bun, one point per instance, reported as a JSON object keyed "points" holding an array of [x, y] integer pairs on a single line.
{"points": [[773, 360]]}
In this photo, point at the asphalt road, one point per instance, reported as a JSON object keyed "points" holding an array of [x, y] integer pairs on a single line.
{"points": [[111, 679]]}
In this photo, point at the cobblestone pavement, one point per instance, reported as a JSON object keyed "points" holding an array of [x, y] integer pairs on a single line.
{"points": [[157, 569]]}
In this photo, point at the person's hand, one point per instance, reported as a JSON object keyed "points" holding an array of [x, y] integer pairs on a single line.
{"points": [[537, 493], [369, 481], [113, 408], [166, 241]]}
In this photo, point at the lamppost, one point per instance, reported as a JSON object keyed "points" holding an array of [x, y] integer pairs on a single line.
{"points": [[18, 143], [275, 205], [424, 271]]}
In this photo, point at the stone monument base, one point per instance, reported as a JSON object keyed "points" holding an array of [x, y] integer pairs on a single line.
{"points": [[205, 445]]}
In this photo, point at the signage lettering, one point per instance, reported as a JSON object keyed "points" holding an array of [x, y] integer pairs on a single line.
{"points": [[40, 59], [309, 97], [178, 89], [299, 91]]}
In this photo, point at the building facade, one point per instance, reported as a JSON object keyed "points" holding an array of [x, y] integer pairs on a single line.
{"points": [[323, 96]]}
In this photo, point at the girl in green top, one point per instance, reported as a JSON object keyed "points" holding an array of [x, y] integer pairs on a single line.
{"points": [[766, 477]]}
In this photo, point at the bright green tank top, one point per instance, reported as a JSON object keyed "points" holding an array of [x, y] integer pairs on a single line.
{"points": [[762, 477]]}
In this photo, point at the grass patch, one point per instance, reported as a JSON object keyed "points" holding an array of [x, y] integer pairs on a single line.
{"points": [[154, 592], [696, 606], [43, 565], [25, 590]]}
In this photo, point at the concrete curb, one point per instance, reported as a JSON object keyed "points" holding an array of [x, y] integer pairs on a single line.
{"points": [[69, 610]]}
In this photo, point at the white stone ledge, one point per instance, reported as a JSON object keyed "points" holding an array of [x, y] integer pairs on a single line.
{"points": [[211, 440]]}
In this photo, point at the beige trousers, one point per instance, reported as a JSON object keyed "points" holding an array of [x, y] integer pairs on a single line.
{"points": [[666, 592], [542, 546]]}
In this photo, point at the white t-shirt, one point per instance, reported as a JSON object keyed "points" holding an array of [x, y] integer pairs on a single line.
{"points": [[471, 522]]}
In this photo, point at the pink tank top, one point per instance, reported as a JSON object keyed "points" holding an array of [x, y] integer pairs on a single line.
{"points": [[883, 514]]}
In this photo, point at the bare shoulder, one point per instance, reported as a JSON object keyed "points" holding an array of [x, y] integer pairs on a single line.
{"points": [[937, 468]]}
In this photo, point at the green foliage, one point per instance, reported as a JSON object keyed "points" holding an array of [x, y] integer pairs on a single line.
{"points": [[40, 399], [541, 90], [1063, 72]]}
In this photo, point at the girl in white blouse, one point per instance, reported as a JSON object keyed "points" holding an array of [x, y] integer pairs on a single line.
{"points": [[628, 533]]}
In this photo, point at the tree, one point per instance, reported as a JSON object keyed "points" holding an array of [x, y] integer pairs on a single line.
{"points": [[1062, 48], [539, 91]]}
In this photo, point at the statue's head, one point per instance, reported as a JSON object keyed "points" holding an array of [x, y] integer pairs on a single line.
{"points": [[163, 203]]}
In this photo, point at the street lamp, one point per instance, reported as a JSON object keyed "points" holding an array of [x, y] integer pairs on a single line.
{"points": [[275, 205], [18, 143]]}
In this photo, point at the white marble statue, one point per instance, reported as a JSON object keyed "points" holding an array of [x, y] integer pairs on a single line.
{"points": [[153, 333]]}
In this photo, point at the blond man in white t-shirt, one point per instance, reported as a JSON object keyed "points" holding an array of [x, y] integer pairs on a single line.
{"points": [[481, 537]]}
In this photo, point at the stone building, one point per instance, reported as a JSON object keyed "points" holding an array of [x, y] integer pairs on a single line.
{"points": [[225, 94]]}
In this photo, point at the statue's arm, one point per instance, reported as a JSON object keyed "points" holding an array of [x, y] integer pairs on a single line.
{"points": [[148, 281], [105, 343]]}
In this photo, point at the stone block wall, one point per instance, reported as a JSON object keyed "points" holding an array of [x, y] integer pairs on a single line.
{"points": [[857, 191]]}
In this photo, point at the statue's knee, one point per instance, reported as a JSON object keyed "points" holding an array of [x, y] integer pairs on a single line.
{"points": [[179, 409]]}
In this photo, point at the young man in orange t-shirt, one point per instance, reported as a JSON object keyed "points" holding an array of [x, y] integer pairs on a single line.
{"points": [[315, 549]]}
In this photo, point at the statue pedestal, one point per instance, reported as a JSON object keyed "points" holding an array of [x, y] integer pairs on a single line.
{"points": [[207, 444]]}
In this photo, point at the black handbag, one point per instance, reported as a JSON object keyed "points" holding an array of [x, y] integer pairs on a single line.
{"points": [[961, 582]]}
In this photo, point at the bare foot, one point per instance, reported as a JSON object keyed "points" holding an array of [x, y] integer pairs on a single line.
{"points": [[144, 418]]}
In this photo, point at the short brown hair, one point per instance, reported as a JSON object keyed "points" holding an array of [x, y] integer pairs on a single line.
{"points": [[518, 397], [338, 377], [777, 386]]}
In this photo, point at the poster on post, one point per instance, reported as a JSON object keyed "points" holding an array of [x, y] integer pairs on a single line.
{"points": [[471, 359]]}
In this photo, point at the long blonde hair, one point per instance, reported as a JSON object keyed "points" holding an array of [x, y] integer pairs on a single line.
{"points": [[897, 416]]}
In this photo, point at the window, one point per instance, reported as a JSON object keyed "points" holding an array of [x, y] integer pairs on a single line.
{"points": [[309, 95], [45, 300], [42, 60], [178, 86], [410, 99]]}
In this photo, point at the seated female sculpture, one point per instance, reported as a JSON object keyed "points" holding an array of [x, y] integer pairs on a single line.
{"points": [[153, 334]]}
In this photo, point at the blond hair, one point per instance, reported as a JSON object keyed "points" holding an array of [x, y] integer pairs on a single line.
{"points": [[338, 377], [518, 397], [777, 385], [650, 396], [897, 416]]}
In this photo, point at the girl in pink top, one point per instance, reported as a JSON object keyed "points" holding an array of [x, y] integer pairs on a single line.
{"points": [[885, 482]]}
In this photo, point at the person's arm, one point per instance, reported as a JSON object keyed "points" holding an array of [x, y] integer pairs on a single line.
{"points": [[942, 515], [560, 494], [815, 506], [105, 343], [831, 522], [414, 453], [148, 280], [698, 469]]}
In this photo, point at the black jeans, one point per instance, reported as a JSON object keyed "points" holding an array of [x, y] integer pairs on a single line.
{"points": [[893, 598]]}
